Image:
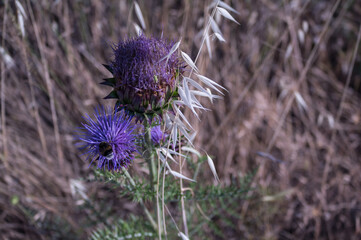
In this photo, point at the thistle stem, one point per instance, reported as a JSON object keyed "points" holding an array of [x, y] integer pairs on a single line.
{"points": [[153, 172], [148, 153]]}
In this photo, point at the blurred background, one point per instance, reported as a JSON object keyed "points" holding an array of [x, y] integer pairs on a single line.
{"points": [[293, 71]]}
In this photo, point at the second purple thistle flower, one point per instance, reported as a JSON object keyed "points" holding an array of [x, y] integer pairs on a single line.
{"points": [[109, 139], [144, 80]]}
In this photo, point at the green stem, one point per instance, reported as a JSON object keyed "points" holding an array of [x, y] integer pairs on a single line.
{"points": [[148, 153], [153, 170]]}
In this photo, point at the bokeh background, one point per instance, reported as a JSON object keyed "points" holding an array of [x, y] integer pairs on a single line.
{"points": [[293, 71]]}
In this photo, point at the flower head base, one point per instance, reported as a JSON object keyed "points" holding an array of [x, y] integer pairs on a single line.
{"points": [[109, 139], [144, 79]]}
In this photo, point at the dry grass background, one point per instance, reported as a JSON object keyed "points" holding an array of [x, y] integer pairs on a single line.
{"points": [[292, 94]]}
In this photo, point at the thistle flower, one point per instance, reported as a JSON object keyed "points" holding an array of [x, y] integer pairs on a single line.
{"points": [[157, 135], [109, 139], [144, 79]]}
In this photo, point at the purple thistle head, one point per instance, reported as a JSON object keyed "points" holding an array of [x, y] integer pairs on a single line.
{"points": [[109, 139], [144, 79], [157, 135]]}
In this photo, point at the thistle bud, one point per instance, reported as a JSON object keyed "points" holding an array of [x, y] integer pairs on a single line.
{"points": [[145, 76]]}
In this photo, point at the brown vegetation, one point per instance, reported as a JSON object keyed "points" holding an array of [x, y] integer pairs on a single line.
{"points": [[293, 109]]}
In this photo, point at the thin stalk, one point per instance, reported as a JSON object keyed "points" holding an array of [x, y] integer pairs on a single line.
{"points": [[158, 207], [163, 183], [184, 216]]}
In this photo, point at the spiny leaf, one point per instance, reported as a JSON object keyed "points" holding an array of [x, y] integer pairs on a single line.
{"points": [[112, 94], [109, 82], [109, 68]]}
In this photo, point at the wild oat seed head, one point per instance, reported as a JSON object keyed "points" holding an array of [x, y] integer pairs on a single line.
{"points": [[109, 139], [144, 80]]}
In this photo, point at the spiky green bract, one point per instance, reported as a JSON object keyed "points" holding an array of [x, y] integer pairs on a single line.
{"points": [[115, 129], [145, 76], [132, 228]]}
